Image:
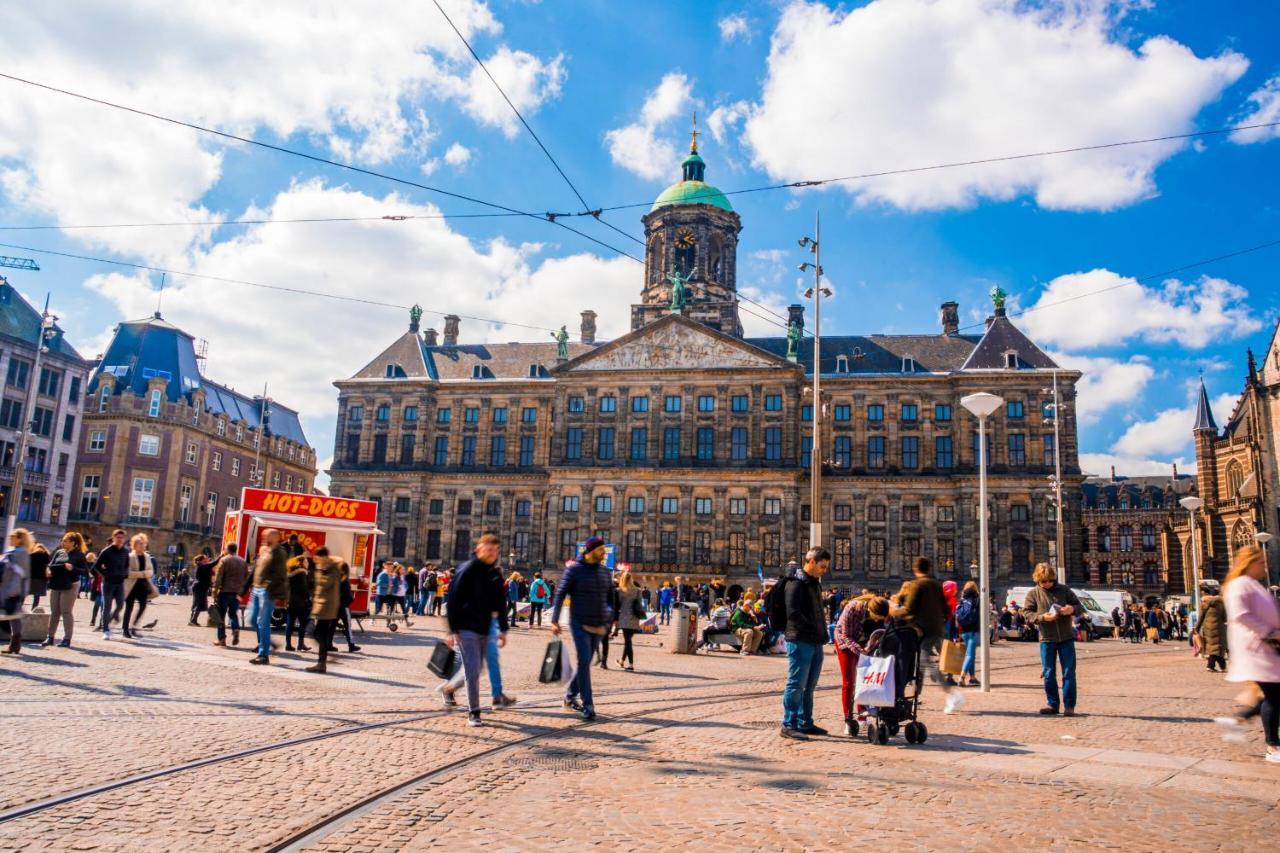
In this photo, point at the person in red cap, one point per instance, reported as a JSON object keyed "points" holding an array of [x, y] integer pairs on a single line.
{"points": [[587, 583]]}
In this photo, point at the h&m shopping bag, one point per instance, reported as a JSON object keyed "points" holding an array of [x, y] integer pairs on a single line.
{"points": [[874, 681], [951, 661]]}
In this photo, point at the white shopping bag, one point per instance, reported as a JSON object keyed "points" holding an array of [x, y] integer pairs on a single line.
{"points": [[650, 624], [566, 665], [874, 681]]}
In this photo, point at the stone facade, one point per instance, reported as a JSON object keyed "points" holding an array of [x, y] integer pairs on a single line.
{"points": [[51, 402], [167, 452], [1128, 534], [686, 444]]}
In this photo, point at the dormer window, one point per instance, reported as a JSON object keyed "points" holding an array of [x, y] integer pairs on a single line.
{"points": [[153, 408], [1011, 360], [395, 371], [477, 371], [858, 355], [842, 364], [535, 371], [103, 397], [908, 364]]}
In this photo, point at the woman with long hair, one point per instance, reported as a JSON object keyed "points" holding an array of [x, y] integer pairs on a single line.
{"points": [[138, 584], [629, 608], [860, 618], [1253, 635], [66, 567], [15, 570]]}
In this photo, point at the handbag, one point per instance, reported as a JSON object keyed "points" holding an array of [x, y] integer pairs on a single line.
{"points": [[1153, 634], [551, 663], [215, 614], [637, 609], [444, 661], [875, 681], [951, 660]]}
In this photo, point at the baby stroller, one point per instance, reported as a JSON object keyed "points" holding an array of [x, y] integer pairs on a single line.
{"points": [[902, 642]]}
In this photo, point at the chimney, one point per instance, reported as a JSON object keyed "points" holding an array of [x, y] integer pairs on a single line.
{"points": [[430, 335], [1175, 470], [950, 318], [795, 314], [1113, 473], [451, 322], [588, 328], [991, 318]]}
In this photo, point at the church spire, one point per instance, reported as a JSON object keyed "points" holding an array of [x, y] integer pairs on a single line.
{"points": [[1204, 414]]}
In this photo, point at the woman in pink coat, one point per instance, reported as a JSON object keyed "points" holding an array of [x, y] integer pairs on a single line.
{"points": [[1253, 636]]}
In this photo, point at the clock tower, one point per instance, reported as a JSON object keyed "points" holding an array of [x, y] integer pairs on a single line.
{"points": [[691, 237]]}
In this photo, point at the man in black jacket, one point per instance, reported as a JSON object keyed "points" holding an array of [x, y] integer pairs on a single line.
{"points": [[200, 592], [587, 584], [806, 632], [475, 599], [113, 565]]}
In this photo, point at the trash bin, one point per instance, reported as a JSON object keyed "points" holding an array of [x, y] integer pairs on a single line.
{"points": [[686, 628]]}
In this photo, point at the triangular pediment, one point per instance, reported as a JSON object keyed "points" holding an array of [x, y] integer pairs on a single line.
{"points": [[676, 343]]}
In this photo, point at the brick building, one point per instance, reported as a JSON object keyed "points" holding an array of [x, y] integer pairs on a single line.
{"points": [[166, 451], [687, 444], [1127, 533], [51, 402]]}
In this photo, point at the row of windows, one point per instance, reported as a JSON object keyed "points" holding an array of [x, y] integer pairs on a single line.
{"points": [[149, 445], [19, 372], [1124, 532]]}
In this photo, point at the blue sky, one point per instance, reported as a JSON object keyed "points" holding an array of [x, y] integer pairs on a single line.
{"points": [[784, 91]]}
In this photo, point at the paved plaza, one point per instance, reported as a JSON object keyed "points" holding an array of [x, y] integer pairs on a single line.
{"points": [[685, 754]]}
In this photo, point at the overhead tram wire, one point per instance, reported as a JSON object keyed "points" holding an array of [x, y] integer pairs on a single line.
{"points": [[277, 287], [552, 218], [388, 217], [587, 210]]}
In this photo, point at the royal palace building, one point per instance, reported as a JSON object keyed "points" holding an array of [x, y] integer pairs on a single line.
{"points": [[687, 445]]}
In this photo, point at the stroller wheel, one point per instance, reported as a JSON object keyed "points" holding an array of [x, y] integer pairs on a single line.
{"points": [[893, 730], [922, 732], [882, 734], [391, 626], [871, 731], [911, 732]]}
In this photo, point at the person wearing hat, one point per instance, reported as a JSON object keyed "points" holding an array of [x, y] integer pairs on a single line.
{"points": [[586, 581]]}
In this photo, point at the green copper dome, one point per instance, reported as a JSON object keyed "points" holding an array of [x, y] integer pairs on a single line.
{"points": [[692, 190]]}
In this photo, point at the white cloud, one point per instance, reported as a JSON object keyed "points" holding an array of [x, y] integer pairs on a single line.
{"points": [[756, 320], [733, 27], [1170, 430], [727, 117], [1106, 383], [1191, 314], [302, 343], [638, 147], [1263, 107], [268, 70], [1100, 465], [528, 81], [458, 155], [906, 83]]}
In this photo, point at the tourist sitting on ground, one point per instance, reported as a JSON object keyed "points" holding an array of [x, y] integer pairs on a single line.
{"points": [[718, 624], [747, 626]]}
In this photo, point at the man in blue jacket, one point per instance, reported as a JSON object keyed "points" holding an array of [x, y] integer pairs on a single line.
{"points": [[586, 581], [475, 600]]}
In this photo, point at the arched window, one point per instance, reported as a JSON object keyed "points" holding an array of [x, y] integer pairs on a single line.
{"points": [[1126, 537], [1235, 479], [1148, 537], [1150, 574], [1241, 535], [1104, 539], [1126, 573], [1104, 573]]}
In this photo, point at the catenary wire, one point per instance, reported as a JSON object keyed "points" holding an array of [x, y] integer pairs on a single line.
{"points": [[547, 217], [277, 287], [387, 217]]}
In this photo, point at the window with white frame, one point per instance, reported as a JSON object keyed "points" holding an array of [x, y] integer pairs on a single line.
{"points": [[235, 467], [103, 397], [239, 432], [216, 460], [185, 499], [149, 445], [90, 489], [288, 483], [222, 427], [153, 408], [193, 452], [97, 440], [141, 499], [275, 480]]}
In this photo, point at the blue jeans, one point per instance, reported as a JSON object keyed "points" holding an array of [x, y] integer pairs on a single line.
{"points": [[261, 605], [665, 611], [804, 666], [1050, 655], [470, 646], [584, 647], [229, 604], [970, 650], [490, 662]]}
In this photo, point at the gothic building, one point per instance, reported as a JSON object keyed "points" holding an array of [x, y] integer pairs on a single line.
{"points": [[1127, 533], [688, 445]]}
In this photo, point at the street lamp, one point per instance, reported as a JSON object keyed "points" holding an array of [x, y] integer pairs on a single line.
{"points": [[1191, 504], [815, 453], [982, 405], [1262, 539], [1056, 480]]}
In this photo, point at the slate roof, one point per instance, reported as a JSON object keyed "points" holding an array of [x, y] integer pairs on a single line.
{"points": [[1204, 412], [1104, 493], [451, 363], [880, 353], [19, 320], [1002, 337], [144, 349]]}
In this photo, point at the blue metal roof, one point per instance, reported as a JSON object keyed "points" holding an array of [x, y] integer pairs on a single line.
{"points": [[144, 349]]}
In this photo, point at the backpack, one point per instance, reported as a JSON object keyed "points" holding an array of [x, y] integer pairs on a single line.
{"points": [[967, 616], [776, 604]]}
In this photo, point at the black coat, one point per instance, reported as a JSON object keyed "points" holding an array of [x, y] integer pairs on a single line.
{"points": [[475, 595], [806, 622], [113, 563]]}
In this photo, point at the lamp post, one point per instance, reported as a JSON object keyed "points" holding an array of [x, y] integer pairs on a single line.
{"points": [[1060, 538], [815, 453], [982, 405], [1191, 504], [1262, 539]]}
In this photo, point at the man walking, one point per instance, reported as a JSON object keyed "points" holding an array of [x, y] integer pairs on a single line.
{"points": [[229, 576], [539, 595], [270, 581], [806, 631], [113, 567], [586, 582], [200, 592], [475, 601], [1050, 606], [922, 604]]}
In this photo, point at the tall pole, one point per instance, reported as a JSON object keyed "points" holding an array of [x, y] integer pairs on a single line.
{"points": [[815, 453], [259, 475], [1195, 567], [984, 558], [20, 464], [1057, 480]]}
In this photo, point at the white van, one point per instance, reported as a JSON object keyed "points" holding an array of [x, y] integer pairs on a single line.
{"points": [[1097, 606]]}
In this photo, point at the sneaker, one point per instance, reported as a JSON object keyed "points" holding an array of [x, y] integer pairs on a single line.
{"points": [[220, 643], [1273, 755], [955, 701], [318, 667], [588, 714], [503, 701], [260, 660], [446, 696], [1048, 710], [811, 729], [1068, 712], [351, 649], [473, 720], [64, 644], [106, 635], [792, 734], [1232, 730], [47, 643], [572, 704]]}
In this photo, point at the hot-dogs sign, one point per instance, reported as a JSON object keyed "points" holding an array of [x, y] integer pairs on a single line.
{"points": [[310, 506]]}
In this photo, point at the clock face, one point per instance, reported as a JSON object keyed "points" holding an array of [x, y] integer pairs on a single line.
{"points": [[684, 238]]}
